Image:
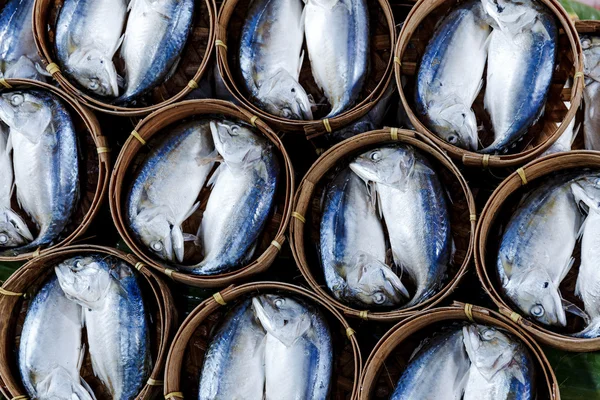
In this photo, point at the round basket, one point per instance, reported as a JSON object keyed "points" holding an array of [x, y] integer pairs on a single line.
{"points": [[416, 33], [304, 231], [383, 36], [390, 356], [186, 355], [192, 66], [587, 26], [135, 149], [498, 209], [94, 165], [27, 280]]}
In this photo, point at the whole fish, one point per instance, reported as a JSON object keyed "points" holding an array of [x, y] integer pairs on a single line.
{"points": [[536, 248], [46, 161], [88, 34], [13, 230], [438, 370], [115, 320], [413, 203], [298, 350], [501, 367], [164, 191], [234, 365], [18, 54], [155, 36], [591, 115], [51, 350], [522, 53], [270, 58], [450, 75], [243, 193], [353, 246], [339, 64]]}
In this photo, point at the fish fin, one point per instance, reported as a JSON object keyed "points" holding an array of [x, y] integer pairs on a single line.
{"points": [[120, 81], [191, 211], [591, 331], [213, 179], [573, 309], [178, 242], [566, 270], [71, 46], [172, 70], [506, 265], [188, 237], [301, 60], [250, 253], [118, 45], [82, 351], [87, 387]]}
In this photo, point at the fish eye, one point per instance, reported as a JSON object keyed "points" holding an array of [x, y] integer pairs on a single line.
{"points": [[488, 334], [3, 238], [452, 139], [157, 246], [375, 156], [279, 302], [286, 113], [17, 99], [235, 130], [379, 298], [545, 285], [586, 43], [537, 310], [94, 84], [293, 90]]}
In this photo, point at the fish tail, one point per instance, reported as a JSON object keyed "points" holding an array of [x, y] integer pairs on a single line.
{"points": [[591, 331]]}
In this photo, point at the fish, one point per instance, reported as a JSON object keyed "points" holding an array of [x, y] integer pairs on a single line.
{"points": [[591, 115], [243, 192], [565, 140], [353, 246], [51, 350], [88, 34], [115, 320], [165, 188], [437, 370], [450, 75], [18, 54], [298, 349], [413, 203], [339, 65], [501, 367], [591, 56], [521, 58], [45, 159], [270, 57], [14, 231], [155, 36], [234, 364], [536, 250]]}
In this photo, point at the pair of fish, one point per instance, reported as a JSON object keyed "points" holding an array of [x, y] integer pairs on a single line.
{"points": [[44, 169], [151, 39], [165, 189], [271, 54], [102, 294], [511, 37], [396, 184], [475, 362], [269, 347]]}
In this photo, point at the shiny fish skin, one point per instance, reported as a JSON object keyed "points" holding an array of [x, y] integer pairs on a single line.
{"points": [[450, 75], [165, 189], [115, 320], [45, 158], [353, 246], [591, 119], [437, 371], [591, 56], [50, 351], [339, 64], [156, 33]]}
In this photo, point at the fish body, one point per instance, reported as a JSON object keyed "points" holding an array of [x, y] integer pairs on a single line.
{"points": [[164, 192], [234, 365], [353, 246], [339, 64], [450, 75], [413, 203], [115, 320], [18, 53], [438, 370], [241, 199], [88, 34], [50, 350], [591, 115], [155, 36], [45, 159], [270, 57]]}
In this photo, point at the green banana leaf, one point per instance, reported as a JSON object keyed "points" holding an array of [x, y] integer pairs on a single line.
{"points": [[578, 374], [581, 10]]}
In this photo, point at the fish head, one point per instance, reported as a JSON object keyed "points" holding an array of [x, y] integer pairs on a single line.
{"points": [[490, 349], [25, 112], [456, 124], [236, 143], [159, 235], [283, 317], [84, 280], [13, 230], [591, 56], [282, 95], [373, 283], [94, 71], [534, 292], [510, 16]]}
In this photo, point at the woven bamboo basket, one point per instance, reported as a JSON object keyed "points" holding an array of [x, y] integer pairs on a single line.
{"points": [[304, 230], [588, 26], [184, 363], [498, 209], [231, 19], [22, 286], [416, 33], [392, 353], [94, 165], [193, 65], [132, 154]]}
